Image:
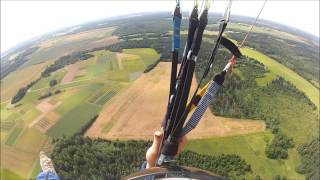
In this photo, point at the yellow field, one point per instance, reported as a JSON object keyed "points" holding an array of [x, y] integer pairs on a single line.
{"points": [[20, 162], [30, 140], [57, 41], [61, 45], [286, 73], [3, 136], [138, 111], [20, 78]]}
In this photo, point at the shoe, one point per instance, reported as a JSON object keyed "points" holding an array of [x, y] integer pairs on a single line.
{"points": [[46, 163]]}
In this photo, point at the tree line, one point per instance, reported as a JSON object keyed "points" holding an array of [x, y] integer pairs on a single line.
{"points": [[310, 159], [22, 92], [80, 157], [64, 61]]}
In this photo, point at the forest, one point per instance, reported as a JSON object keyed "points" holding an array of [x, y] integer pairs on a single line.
{"points": [[64, 61], [22, 92], [310, 162], [278, 148], [79, 157]]}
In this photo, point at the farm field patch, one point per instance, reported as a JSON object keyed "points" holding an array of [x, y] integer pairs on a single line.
{"points": [[73, 121], [30, 115], [132, 63], [74, 99], [290, 116], [8, 174], [148, 55], [71, 73], [3, 136], [36, 170], [64, 113], [251, 147], [105, 94], [62, 45], [17, 161], [44, 82], [5, 113], [13, 136], [47, 117], [106, 97], [27, 139], [7, 125], [268, 77], [9, 89], [124, 113]]}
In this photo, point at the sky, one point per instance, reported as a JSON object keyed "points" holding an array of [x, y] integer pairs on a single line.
{"points": [[23, 20]]}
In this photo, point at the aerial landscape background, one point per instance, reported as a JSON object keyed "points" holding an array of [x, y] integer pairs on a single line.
{"points": [[88, 93]]}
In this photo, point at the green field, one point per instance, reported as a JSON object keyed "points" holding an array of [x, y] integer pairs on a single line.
{"points": [[133, 64], [5, 113], [36, 170], [6, 174], [28, 138], [132, 61], [106, 97], [104, 94], [113, 65], [148, 55], [267, 78], [252, 149], [297, 119], [102, 57], [71, 99], [44, 82], [96, 70], [73, 121], [101, 78], [121, 75], [7, 123], [13, 136], [30, 115], [282, 71]]}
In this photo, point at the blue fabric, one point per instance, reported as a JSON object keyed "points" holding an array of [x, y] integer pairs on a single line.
{"points": [[47, 176], [143, 166], [176, 33]]}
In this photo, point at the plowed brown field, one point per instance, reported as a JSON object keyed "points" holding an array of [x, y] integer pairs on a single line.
{"points": [[138, 111]]}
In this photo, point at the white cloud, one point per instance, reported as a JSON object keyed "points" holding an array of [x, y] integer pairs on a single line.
{"points": [[22, 20]]}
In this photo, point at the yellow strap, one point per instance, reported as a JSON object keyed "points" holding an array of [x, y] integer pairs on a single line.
{"points": [[203, 89], [200, 93]]}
